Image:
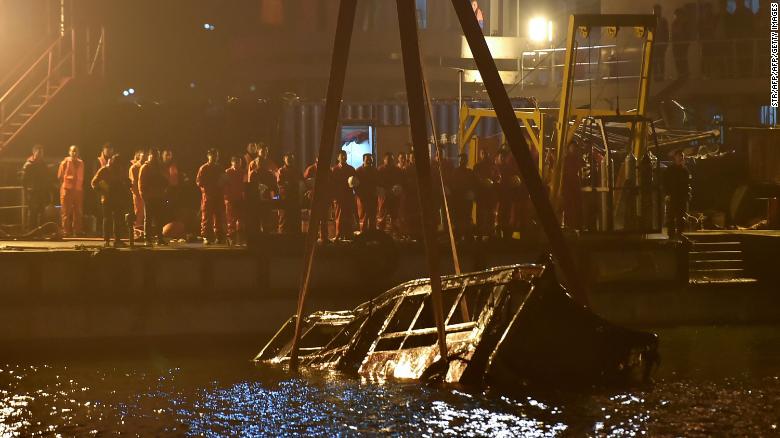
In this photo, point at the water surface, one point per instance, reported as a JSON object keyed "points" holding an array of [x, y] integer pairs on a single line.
{"points": [[712, 381]]}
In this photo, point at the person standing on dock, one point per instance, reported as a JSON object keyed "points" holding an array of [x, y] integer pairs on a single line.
{"points": [[106, 152], [341, 176], [38, 181], [290, 182], [509, 185], [93, 197], [134, 176], [366, 193], [114, 189], [173, 194], [677, 188], [487, 174], [210, 179], [463, 184], [309, 175], [249, 157], [264, 162], [262, 191], [234, 200], [390, 180], [151, 186], [71, 177]]}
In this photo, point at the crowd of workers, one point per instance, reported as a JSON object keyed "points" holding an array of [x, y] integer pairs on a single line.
{"points": [[255, 195]]}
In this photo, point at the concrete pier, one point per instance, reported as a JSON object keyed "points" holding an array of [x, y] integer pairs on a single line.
{"points": [[75, 290]]}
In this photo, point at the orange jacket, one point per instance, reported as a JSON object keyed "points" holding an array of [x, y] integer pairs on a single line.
{"points": [[209, 179], [134, 173], [234, 184], [71, 174]]}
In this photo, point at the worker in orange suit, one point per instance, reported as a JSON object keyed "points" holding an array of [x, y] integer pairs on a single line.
{"points": [[290, 181], [71, 177], [134, 174], [463, 184], [309, 176], [234, 200], [263, 159], [390, 180], [367, 193], [341, 176], [210, 180], [152, 184], [486, 173], [249, 157], [106, 152], [113, 187]]}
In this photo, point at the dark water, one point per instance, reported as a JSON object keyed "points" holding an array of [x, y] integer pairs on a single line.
{"points": [[712, 381]]}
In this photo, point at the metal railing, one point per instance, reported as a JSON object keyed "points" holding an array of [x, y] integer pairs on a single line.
{"points": [[57, 62], [696, 59], [22, 206]]}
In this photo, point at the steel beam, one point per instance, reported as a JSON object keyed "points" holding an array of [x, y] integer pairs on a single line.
{"points": [[415, 95], [515, 139], [338, 70]]}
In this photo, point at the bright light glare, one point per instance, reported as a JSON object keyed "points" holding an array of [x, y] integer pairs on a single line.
{"points": [[125, 93], [131, 90], [540, 29]]}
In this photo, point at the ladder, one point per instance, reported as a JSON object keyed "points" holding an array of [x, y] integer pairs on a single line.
{"points": [[32, 90], [716, 258]]}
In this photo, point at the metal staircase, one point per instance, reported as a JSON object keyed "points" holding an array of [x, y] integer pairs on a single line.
{"points": [[716, 258], [26, 94]]}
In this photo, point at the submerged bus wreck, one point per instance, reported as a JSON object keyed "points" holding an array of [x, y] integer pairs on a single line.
{"points": [[506, 326]]}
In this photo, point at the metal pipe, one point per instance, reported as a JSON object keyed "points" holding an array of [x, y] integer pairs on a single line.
{"points": [[461, 74], [338, 70]]}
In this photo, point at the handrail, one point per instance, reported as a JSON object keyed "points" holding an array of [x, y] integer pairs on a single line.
{"points": [[98, 50], [22, 62], [43, 56], [35, 89]]}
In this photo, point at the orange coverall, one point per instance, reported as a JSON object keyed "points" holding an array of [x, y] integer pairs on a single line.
{"points": [[71, 176]]}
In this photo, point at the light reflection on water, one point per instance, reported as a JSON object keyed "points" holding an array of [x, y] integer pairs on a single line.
{"points": [[728, 390]]}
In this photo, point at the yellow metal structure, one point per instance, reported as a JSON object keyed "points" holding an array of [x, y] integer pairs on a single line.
{"points": [[532, 120], [569, 119]]}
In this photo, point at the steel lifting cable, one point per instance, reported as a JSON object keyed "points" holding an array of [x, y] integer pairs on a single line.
{"points": [[455, 259], [590, 74], [453, 247]]}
